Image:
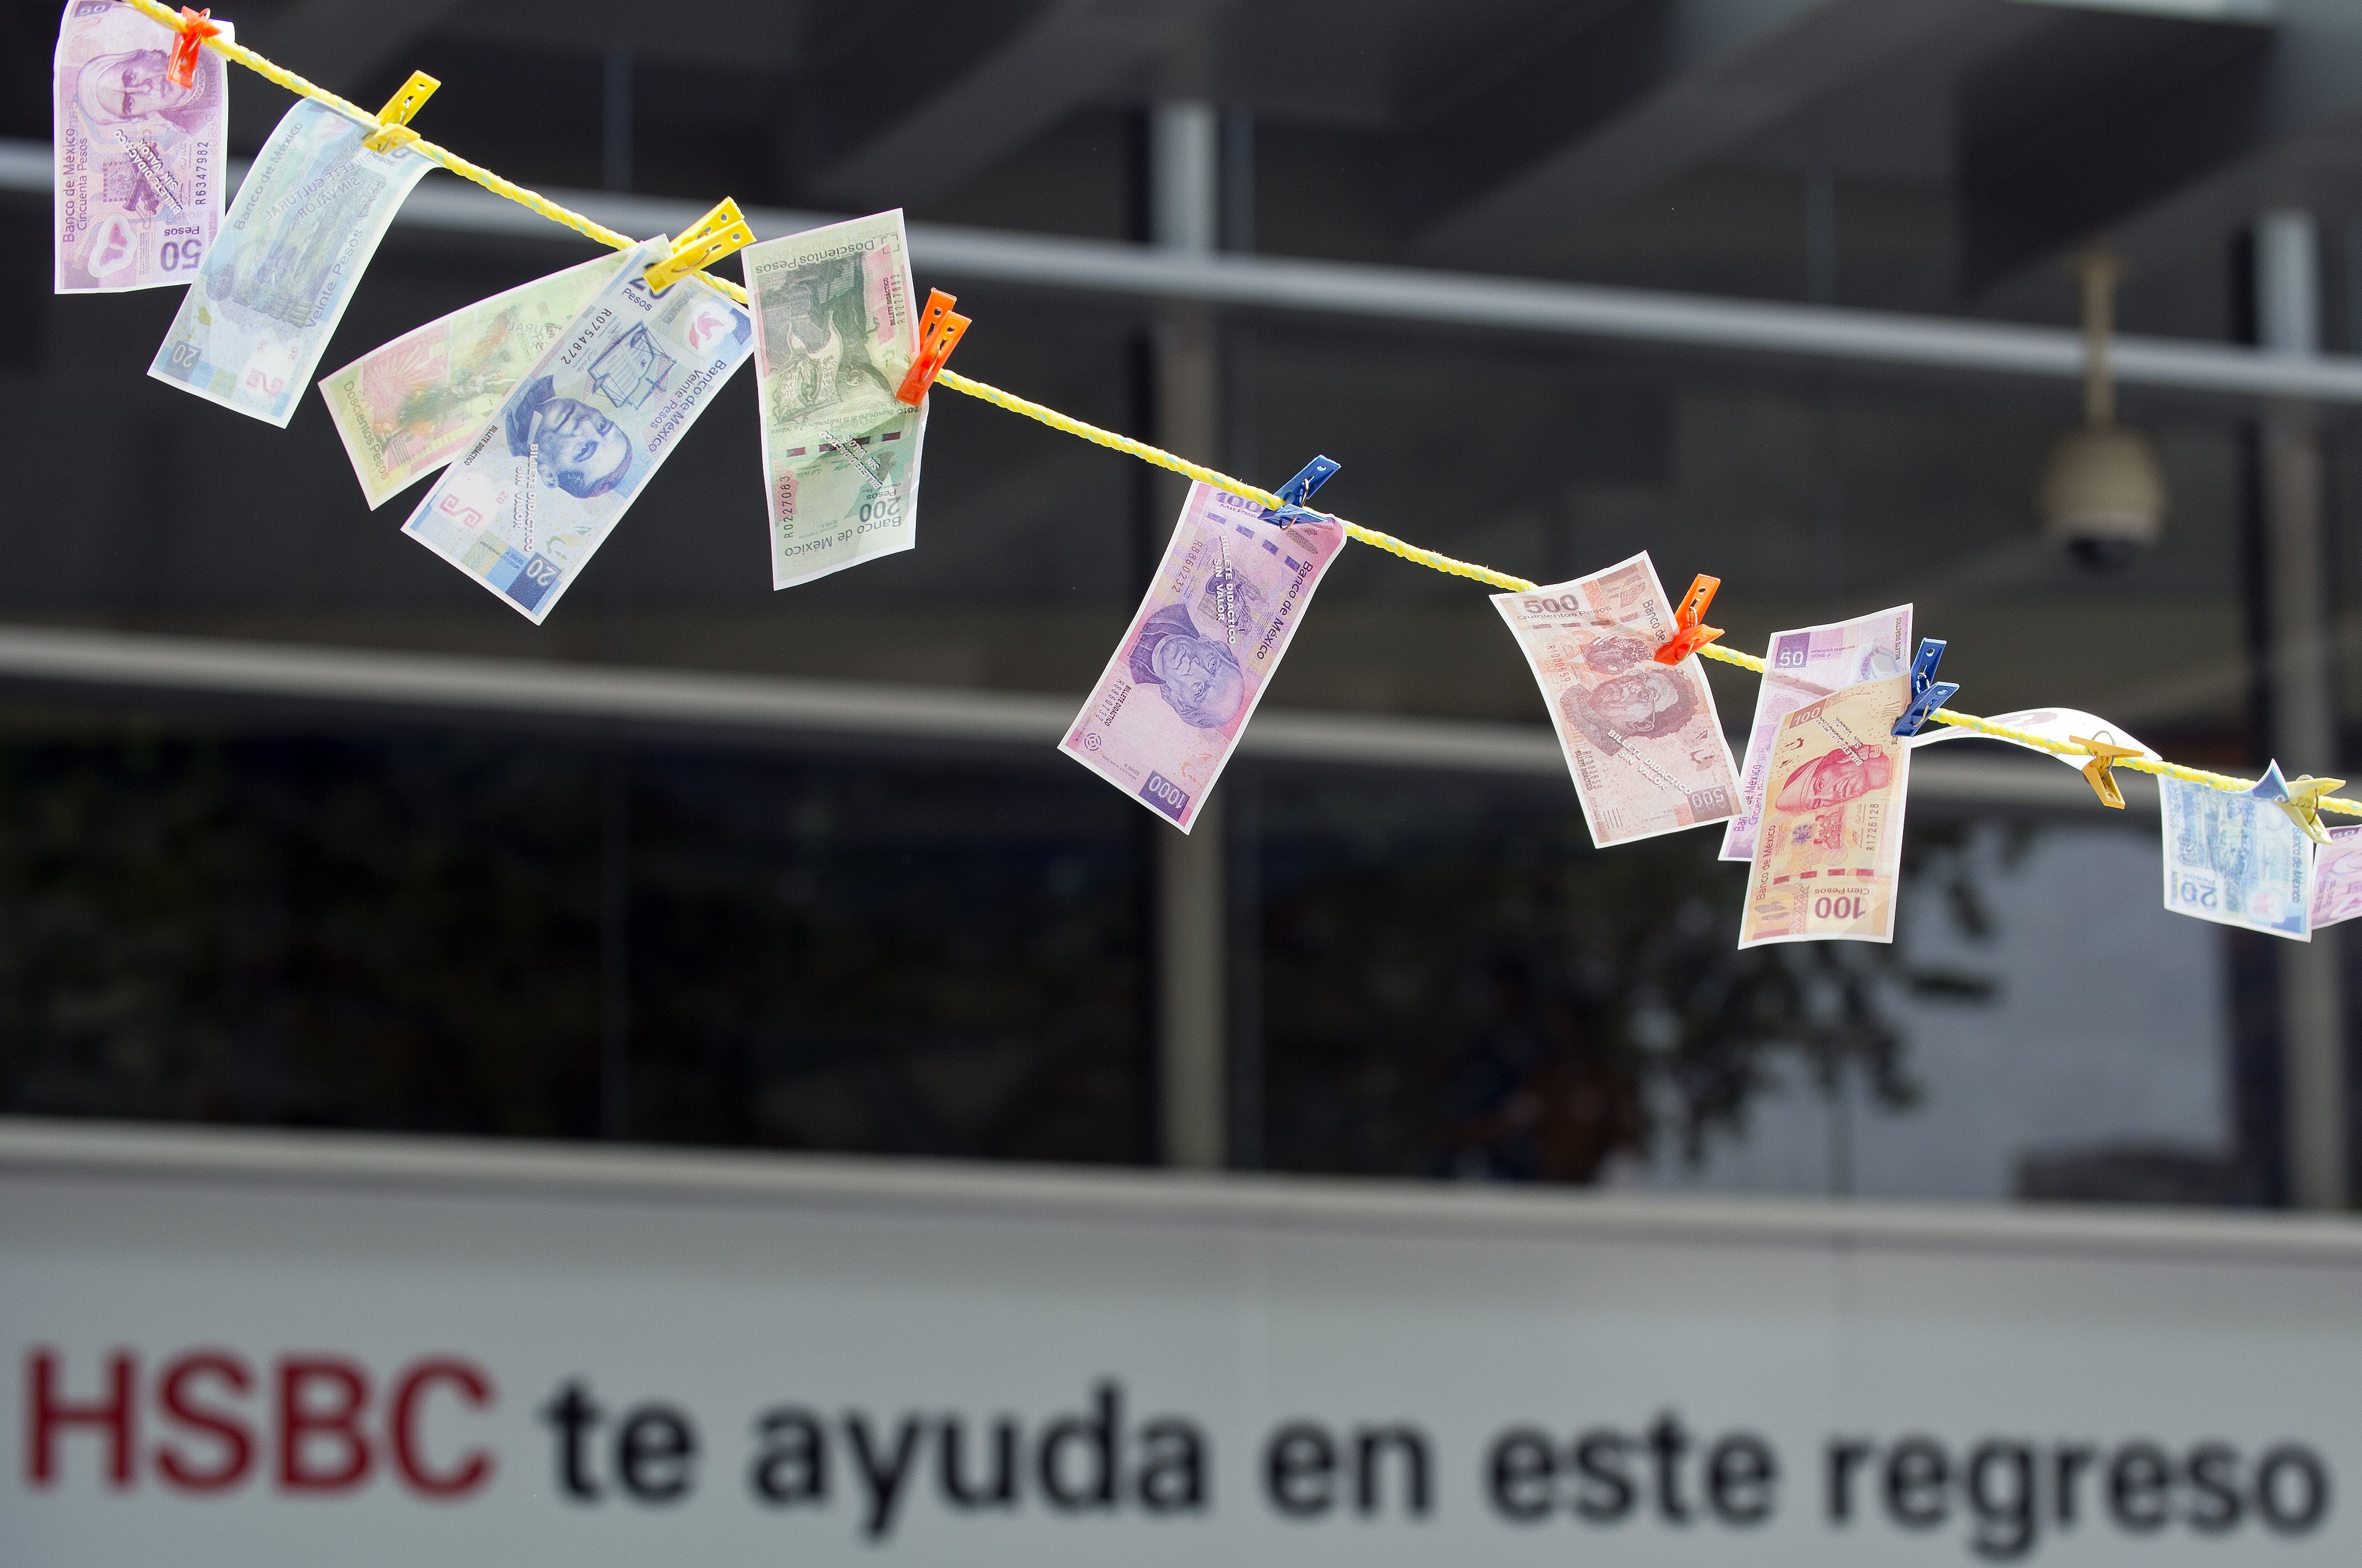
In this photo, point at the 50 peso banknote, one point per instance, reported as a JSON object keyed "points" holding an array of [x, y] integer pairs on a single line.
{"points": [[526, 506], [1798, 667], [276, 282], [406, 409], [834, 332], [137, 159], [1170, 706], [1642, 739], [1828, 858]]}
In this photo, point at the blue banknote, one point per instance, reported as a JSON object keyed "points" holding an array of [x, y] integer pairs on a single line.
{"points": [[283, 269], [2235, 858], [535, 493]]}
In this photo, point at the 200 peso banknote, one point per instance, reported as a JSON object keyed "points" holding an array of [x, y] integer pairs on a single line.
{"points": [[1798, 667], [532, 498], [405, 409], [835, 330], [137, 157], [1170, 706], [1642, 739], [283, 269], [1828, 858], [2236, 859]]}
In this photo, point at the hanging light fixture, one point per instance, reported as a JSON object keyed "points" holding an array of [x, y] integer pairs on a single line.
{"points": [[2102, 495]]}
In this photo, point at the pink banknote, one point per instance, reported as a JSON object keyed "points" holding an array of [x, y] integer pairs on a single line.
{"points": [[1828, 858], [1642, 739], [1809, 662], [1169, 708], [2338, 878]]}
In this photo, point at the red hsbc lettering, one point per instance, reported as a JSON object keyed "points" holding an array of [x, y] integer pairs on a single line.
{"points": [[47, 1413], [321, 1400], [224, 1431], [474, 1467]]}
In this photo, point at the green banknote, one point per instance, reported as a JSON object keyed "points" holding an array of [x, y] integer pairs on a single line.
{"points": [[834, 331]]}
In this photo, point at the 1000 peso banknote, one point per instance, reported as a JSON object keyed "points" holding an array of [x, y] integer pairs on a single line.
{"points": [[406, 409], [834, 333], [138, 158], [279, 276], [529, 500], [1169, 708], [1828, 858], [2235, 859], [1799, 666], [1641, 738]]}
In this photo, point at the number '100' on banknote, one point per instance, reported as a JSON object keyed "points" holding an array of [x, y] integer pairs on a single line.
{"points": [[1641, 738], [529, 500], [137, 157], [2236, 859], [279, 276]]}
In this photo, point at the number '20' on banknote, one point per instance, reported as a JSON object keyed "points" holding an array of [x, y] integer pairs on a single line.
{"points": [[137, 157], [2236, 859], [532, 498]]}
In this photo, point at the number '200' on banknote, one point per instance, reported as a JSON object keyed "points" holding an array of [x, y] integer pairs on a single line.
{"points": [[1642, 739]]}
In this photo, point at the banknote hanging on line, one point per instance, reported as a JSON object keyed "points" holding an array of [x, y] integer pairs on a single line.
{"points": [[276, 281], [834, 332], [532, 497], [1168, 710], [1828, 854], [1800, 667], [2235, 858], [1642, 740], [407, 408], [136, 158]]}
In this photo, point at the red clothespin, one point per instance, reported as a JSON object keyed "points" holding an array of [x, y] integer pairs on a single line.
{"points": [[1691, 636], [191, 37], [939, 333]]}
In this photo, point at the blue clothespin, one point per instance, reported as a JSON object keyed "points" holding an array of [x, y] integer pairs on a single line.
{"points": [[1299, 491], [1927, 693]]}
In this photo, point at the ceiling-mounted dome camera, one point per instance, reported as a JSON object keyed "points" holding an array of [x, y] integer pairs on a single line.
{"points": [[2102, 495]]}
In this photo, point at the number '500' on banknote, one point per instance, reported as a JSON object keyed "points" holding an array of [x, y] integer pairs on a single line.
{"points": [[1641, 738], [137, 157]]}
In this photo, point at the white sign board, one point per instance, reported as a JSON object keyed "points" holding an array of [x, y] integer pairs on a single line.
{"points": [[246, 1349]]}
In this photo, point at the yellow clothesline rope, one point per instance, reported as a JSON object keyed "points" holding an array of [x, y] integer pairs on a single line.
{"points": [[1432, 560]]}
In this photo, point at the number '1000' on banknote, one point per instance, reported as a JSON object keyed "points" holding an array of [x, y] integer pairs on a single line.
{"points": [[2235, 859], [137, 157], [1642, 739], [537, 492]]}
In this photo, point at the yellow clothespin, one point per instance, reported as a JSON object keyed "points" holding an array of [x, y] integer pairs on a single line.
{"points": [[395, 116], [2304, 803], [718, 234], [2100, 770]]}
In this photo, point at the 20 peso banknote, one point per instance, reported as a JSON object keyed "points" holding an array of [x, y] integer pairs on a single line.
{"points": [[284, 266], [1828, 858], [137, 159], [1798, 667], [834, 332], [406, 409], [1170, 706], [1642, 739], [2236, 859], [526, 506]]}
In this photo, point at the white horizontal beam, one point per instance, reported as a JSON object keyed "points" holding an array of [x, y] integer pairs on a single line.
{"points": [[448, 683], [1404, 293]]}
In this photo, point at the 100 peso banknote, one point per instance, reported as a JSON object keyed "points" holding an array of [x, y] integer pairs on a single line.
{"points": [[835, 330], [1642, 739], [1799, 666], [2236, 859], [532, 498], [138, 158], [405, 409], [1828, 858], [1170, 706], [279, 276]]}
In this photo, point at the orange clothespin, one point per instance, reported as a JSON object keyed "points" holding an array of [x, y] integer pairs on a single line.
{"points": [[939, 333], [395, 116], [1691, 636], [2100, 769], [195, 27], [719, 233]]}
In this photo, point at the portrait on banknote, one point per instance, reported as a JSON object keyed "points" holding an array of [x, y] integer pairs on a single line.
{"points": [[572, 445], [131, 90], [1198, 675]]}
